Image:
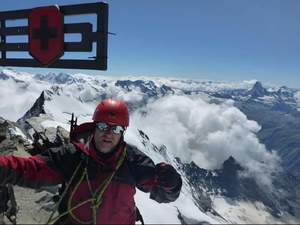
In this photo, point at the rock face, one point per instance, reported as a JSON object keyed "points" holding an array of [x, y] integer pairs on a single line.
{"points": [[45, 138], [14, 142], [36, 110], [11, 138], [258, 90]]}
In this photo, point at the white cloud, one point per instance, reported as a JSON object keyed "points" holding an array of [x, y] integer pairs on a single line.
{"points": [[207, 134], [297, 98], [132, 96]]}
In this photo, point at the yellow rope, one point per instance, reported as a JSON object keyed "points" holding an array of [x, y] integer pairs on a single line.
{"points": [[96, 199], [62, 196]]}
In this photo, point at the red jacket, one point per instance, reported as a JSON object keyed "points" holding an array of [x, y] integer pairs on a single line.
{"points": [[116, 204]]}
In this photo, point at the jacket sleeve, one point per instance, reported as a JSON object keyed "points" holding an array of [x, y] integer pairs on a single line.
{"points": [[152, 178], [33, 172]]}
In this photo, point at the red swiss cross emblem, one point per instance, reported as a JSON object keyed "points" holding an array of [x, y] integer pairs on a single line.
{"points": [[46, 35]]}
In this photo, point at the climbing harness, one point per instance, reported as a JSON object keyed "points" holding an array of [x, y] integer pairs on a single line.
{"points": [[95, 200]]}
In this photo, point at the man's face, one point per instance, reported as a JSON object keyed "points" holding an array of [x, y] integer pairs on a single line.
{"points": [[105, 141]]}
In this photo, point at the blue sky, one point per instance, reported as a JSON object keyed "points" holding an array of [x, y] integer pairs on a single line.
{"points": [[228, 40]]}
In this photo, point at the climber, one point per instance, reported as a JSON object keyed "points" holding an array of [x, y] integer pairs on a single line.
{"points": [[99, 169]]}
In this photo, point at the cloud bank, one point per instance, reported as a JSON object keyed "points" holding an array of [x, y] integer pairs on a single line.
{"points": [[207, 134]]}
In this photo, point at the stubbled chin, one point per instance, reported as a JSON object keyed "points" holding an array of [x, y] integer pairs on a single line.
{"points": [[105, 146], [106, 143]]}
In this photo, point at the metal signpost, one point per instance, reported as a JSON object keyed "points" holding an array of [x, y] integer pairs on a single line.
{"points": [[46, 30]]}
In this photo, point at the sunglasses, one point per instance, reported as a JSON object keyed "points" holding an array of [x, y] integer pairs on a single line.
{"points": [[114, 128]]}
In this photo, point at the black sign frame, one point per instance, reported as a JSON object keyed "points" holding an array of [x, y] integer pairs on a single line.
{"points": [[99, 62]]}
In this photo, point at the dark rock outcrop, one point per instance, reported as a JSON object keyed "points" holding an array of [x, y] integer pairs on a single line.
{"points": [[258, 90], [228, 182], [11, 138]]}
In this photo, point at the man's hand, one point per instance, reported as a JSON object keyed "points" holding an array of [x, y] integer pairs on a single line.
{"points": [[167, 177], [167, 184]]}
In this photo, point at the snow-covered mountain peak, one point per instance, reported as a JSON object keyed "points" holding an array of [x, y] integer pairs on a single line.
{"points": [[285, 92], [54, 78], [3, 76], [17, 76], [231, 165], [258, 90]]}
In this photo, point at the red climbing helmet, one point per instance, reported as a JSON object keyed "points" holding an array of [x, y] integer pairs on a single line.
{"points": [[112, 112]]}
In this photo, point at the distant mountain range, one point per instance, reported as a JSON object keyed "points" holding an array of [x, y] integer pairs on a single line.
{"points": [[278, 114]]}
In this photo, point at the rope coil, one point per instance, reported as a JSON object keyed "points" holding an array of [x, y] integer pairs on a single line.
{"points": [[96, 199]]}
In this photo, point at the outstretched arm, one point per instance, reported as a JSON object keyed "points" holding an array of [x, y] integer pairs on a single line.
{"points": [[30, 172], [161, 180]]}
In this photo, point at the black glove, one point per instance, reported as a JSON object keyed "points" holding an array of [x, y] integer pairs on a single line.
{"points": [[167, 177]]}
